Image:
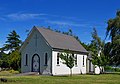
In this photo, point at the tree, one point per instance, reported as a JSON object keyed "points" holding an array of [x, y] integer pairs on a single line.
{"points": [[97, 48], [70, 32], [13, 41], [113, 30], [14, 60], [107, 51], [4, 60], [68, 59], [115, 52]]}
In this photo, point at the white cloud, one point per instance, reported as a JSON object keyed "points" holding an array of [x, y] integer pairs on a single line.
{"points": [[64, 17], [62, 23], [23, 16], [26, 16], [51, 19]]}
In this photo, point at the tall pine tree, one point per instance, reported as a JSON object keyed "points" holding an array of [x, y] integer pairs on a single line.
{"points": [[13, 41]]}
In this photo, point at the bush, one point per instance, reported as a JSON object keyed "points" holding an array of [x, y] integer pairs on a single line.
{"points": [[111, 69], [19, 70], [108, 67], [117, 69], [13, 71]]}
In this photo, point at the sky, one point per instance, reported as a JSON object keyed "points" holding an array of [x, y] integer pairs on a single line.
{"points": [[79, 15]]}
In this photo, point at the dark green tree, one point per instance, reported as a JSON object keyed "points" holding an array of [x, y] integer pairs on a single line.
{"points": [[4, 61], [113, 31], [107, 51], [113, 28], [13, 41], [14, 60], [70, 32], [115, 52], [68, 59]]}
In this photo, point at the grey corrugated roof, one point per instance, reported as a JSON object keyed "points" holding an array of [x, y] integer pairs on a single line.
{"points": [[61, 41]]}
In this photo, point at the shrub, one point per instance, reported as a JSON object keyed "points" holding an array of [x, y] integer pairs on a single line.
{"points": [[111, 69], [117, 69], [14, 72], [108, 68], [11, 71]]}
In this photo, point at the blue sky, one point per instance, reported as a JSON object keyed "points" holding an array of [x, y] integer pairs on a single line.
{"points": [[79, 15]]}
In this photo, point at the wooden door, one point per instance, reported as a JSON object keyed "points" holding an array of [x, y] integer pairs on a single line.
{"points": [[36, 63]]}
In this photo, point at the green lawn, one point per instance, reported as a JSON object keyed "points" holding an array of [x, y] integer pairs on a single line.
{"points": [[79, 79]]}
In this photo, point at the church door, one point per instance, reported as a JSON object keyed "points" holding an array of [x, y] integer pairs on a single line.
{"points": [[36, 63]]}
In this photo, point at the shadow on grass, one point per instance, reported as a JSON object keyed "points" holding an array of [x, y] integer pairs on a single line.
{"points": [[9, 80], [62, 76]]}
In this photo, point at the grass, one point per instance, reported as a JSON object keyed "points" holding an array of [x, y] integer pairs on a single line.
{"points": [[8, 73], [78, 79]]}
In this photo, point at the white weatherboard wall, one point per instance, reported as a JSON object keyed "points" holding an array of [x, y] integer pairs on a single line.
{"points": [[62, 69]]}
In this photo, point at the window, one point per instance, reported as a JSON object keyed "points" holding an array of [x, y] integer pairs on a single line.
{"points": [[58, 56], [26, 60], [67, 58], [75, 60], [83, 60], [46, 58]]}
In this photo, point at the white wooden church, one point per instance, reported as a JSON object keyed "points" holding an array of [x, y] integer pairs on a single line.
{"points": [[41, 49]]}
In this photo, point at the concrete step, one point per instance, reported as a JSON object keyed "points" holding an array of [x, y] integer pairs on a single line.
{"points": [[27, 74]]}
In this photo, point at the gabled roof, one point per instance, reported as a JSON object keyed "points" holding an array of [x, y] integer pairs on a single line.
{"points": [[61, 41]]}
